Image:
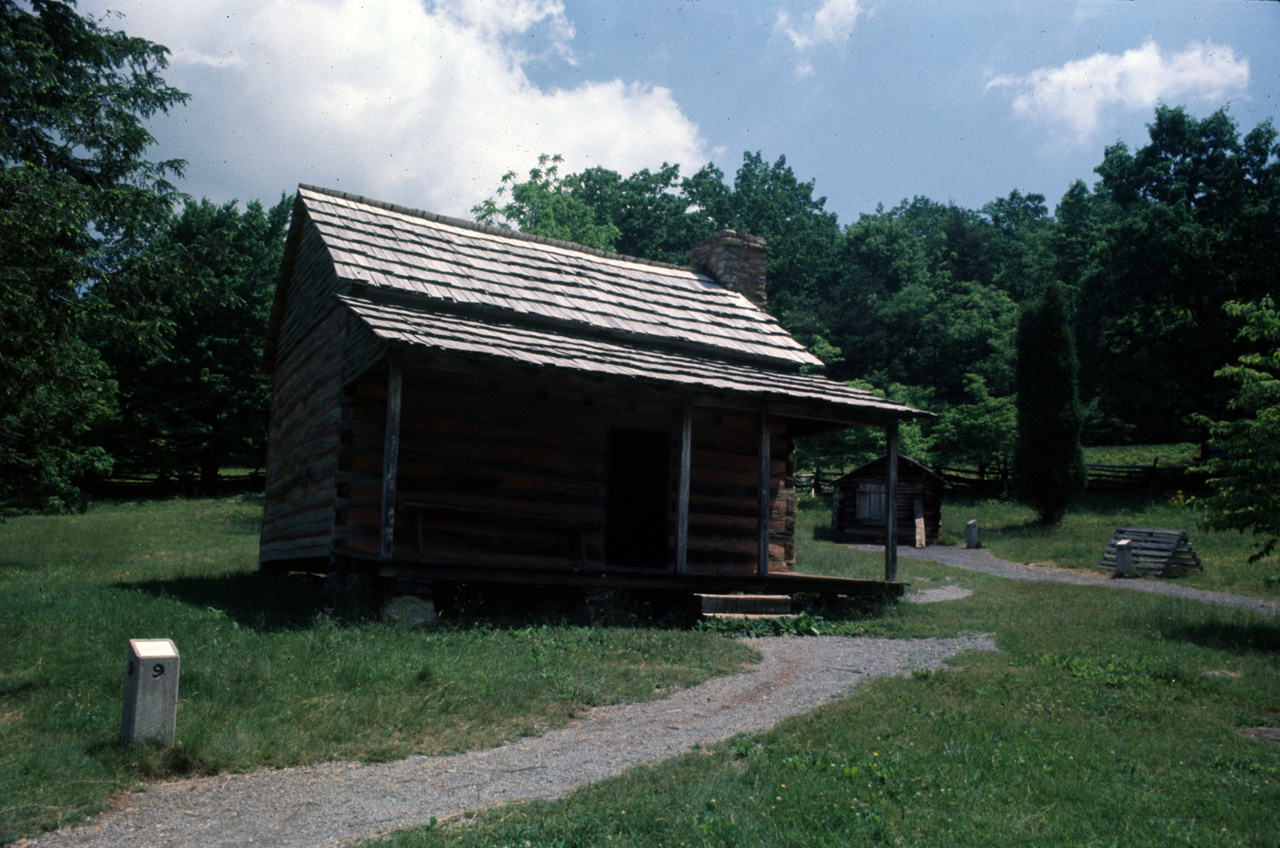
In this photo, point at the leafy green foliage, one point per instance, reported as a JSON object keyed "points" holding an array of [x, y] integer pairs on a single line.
{"points": [[927, 295], [844, 450], [1246, 474], [1048, 463], [547, 205], [767, 200], [77, 200], [979, 434], [649, 209], [1186, 223], [192, 399]]}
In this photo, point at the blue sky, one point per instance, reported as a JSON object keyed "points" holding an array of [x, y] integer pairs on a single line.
{"points": [[427, 103]]}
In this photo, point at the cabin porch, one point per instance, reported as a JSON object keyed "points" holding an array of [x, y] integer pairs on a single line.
{"points": [[421, 573], [525, 471]]}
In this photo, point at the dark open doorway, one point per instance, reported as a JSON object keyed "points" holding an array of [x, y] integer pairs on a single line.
{"points": [[639, 486]]}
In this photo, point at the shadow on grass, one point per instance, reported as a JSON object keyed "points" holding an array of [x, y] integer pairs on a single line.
{"points": [[1261, 637], [269, 602], [16, 565], [826, 534], [258, 600], [150, 760]]}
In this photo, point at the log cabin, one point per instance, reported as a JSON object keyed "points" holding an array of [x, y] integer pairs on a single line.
{"points": [[858, 502], [460, 402]]}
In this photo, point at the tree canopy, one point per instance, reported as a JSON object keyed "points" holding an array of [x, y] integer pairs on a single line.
{"points": [[78, 198], [923, 298], [193, 400], [1186, 223]]}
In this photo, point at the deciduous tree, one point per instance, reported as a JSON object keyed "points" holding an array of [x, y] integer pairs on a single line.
{"points": [[1196, 223], [1245, 475], [547, 205], [194, 399]]}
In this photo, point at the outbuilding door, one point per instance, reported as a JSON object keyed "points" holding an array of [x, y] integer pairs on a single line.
{"points": [[636, 529], [870, 506]]}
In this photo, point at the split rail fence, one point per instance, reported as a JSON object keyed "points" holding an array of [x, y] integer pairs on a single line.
{"points": [[1150, 480]]}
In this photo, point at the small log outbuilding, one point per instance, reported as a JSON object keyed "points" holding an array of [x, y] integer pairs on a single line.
{"points": [[858, 501], [457, 402]]}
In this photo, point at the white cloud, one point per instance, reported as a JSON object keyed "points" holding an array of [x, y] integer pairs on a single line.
{"points": [[1078, 93], [424, 104], [832, 23]]}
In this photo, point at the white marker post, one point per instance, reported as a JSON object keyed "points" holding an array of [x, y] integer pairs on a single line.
{"points": [[971, 534], [1124, 557], [150, 692]]}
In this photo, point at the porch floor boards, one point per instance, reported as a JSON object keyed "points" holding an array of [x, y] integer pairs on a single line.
{"points": [[454, 571]]}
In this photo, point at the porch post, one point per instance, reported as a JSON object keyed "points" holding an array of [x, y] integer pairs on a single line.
{"points": [[765, 504], [891, 506], [682, 488], [391, 458]]}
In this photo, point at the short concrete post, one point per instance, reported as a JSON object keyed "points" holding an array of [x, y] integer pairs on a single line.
{"points": [[1124, 558], [150, 692], [971, 534]]}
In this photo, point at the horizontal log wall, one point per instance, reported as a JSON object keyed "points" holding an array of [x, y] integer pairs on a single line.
{"points": [[520, 463], [910, 487], [302, 453], [723, 492]]}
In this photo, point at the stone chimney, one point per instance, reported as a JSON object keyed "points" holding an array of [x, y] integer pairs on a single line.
{"points": [[734, 260]]}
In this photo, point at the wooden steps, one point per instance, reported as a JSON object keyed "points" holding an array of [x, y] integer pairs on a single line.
{"points": [[746, 616], [743, 605]]}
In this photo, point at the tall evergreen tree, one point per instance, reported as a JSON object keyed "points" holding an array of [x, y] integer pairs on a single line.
{"points": [[1048, 462], [78, 198]]}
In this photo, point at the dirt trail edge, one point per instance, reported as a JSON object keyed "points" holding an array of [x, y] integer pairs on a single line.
{"points": [[335, 803]]}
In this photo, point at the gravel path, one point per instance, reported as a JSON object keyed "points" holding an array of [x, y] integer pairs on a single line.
{"points": [[979, 559], [334, 803]]}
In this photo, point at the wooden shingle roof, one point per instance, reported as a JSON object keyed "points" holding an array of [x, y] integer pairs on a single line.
{"points": [[400, 325], [424, 281], [452, 263]]}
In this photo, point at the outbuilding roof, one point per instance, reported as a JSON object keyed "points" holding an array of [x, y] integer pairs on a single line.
{"points": [[883, 460]]}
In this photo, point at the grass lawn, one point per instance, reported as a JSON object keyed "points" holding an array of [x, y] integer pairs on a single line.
{"points": [[1106, 717], [1180, 455], [270, 675], [1011, 532]]}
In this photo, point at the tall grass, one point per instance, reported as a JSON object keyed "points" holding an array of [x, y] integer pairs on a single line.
{"points": [[271, 676], [1179, 455]]}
